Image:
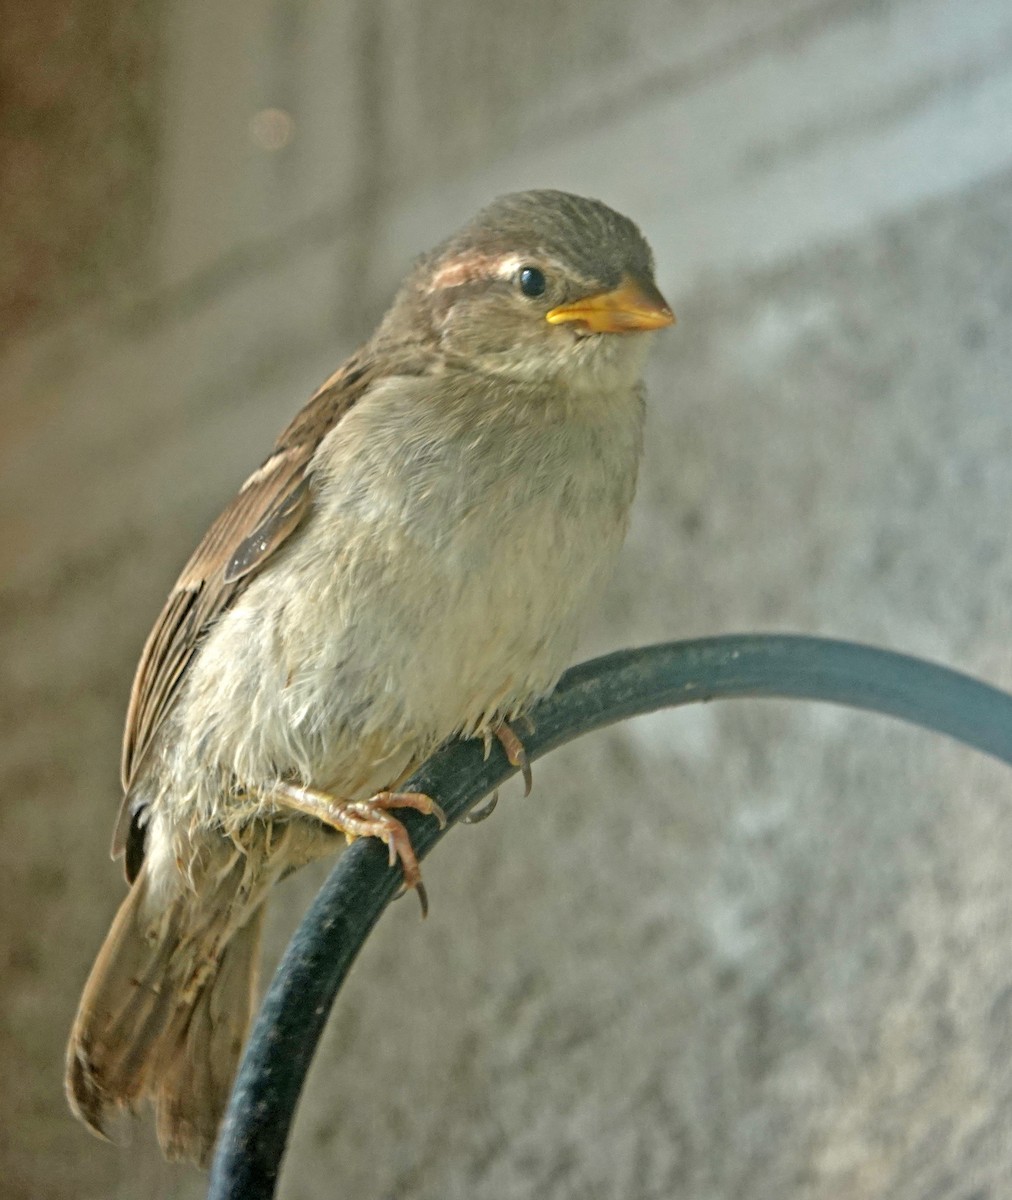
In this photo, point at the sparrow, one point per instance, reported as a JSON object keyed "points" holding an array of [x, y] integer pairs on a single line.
{"points": [[410, 564]]}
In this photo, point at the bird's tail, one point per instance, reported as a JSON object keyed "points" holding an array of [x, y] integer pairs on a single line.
{"points": [[166, 1009]]}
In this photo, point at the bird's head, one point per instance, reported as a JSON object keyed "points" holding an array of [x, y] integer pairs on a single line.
{"points": [[539, 286]]}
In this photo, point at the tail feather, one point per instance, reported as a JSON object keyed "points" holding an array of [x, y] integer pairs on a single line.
{"points": [[201, 1050], [165, 1012]]}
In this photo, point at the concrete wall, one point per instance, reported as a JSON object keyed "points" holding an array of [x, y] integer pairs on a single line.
{"points": [[747, 950]]}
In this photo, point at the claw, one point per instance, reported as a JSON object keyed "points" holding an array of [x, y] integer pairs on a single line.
{"points": [[477, 815], [419, 889], [515, 753], [525, 771], [423, 898]]}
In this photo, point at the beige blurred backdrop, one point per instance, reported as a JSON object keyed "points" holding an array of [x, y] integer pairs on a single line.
{"points": [[749, 950]]}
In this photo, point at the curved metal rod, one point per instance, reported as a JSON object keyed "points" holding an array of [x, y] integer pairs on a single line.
{"points": [[597, 693]]}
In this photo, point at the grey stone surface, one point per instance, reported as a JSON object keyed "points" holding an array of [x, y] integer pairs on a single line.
{"points": [[78, 133], [752, 949]]}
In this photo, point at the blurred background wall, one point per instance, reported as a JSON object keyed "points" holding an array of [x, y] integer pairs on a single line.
{"points": [[750, 950]]}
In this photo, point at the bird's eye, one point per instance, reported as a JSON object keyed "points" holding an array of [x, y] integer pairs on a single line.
{"points": [[532, 281]]}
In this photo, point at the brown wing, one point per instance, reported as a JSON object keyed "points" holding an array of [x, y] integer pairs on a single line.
{"points": [[272, 503]]}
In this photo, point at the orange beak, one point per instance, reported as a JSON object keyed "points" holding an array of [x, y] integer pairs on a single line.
{"points": [[635, 305]]}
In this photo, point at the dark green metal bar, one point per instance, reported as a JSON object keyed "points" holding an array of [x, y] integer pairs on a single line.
{"points": [[281, 1047]]}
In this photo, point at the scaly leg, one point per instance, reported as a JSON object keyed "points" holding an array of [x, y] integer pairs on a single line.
{"points": [[368, 818]]}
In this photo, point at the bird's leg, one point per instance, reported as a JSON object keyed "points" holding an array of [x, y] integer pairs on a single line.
{"points": [[514, 750], [368, 818]]}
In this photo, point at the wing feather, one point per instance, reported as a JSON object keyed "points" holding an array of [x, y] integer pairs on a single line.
{"points": [[271, 505]]}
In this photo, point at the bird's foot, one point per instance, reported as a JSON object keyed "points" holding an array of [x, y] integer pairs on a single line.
{"points": [[369, 818]]}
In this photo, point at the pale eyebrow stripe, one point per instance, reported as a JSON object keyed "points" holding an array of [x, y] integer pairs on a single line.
{"points": [[474, 266]]}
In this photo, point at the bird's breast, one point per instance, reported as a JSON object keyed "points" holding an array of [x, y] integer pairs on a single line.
{"points": [[470, 540], [439, 582]]}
